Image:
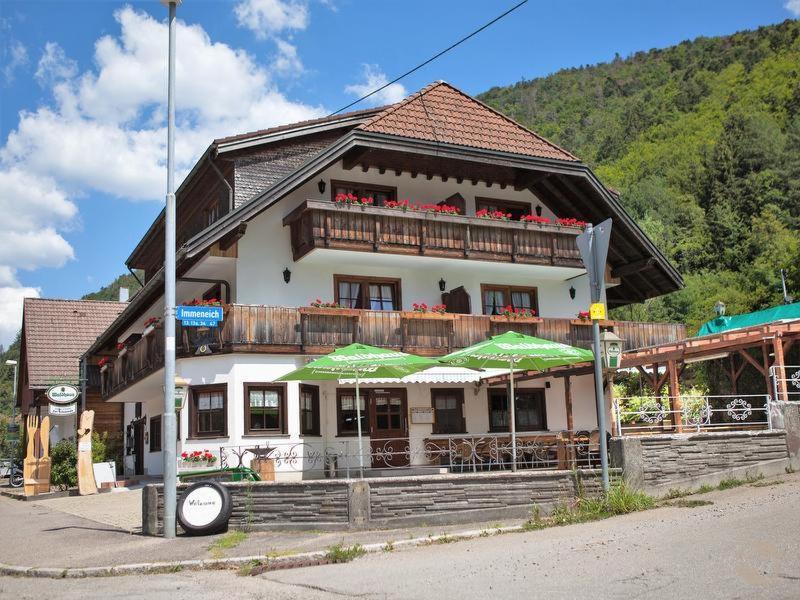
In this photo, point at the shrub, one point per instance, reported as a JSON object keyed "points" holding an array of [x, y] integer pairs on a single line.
{"points": [[339, 553], [64, 464]]}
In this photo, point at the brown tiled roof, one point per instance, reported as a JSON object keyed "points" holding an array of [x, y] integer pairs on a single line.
{"points": [[442, 113], [365, 112], [57, 332]]}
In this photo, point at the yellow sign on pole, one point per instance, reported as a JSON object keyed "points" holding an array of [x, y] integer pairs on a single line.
{"points": [[597, 311]]}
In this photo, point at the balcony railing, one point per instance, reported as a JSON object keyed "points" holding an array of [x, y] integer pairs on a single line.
{"points": [[281, 330], [321, 224]]}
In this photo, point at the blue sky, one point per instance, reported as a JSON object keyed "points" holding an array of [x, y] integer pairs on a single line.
{"points": [[82, 82]]}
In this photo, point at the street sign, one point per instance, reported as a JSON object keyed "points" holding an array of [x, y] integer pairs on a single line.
{"points": [[63, 393], [199, 316], [593, 245], [62, 410]]}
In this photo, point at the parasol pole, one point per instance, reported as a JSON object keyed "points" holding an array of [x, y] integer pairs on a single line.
{"points": [[358, 422], [513, 410]]}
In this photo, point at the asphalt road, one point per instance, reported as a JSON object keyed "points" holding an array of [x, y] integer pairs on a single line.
{"points": [[744, 545]]}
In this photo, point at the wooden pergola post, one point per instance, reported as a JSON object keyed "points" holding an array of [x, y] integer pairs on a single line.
{"points": [[675, 395], [570, 420], [610, 402], [780, 371]]}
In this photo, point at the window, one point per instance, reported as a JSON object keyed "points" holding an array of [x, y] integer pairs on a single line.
{"points": [[155, 434], [448, 411], [530, 410], [367, 292], [516, 209], [346, 412], [309, 410], [208, 411], [264, 408], [378, 193], [496, 297]]}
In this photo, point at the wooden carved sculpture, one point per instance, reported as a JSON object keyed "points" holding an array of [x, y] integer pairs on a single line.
{"points": [[86, 482], [36, 466]]}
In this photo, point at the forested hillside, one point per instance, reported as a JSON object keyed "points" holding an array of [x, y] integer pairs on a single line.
{"points": [[703, 141]]}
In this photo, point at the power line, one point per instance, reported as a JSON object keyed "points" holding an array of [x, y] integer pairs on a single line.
{"points": [[432, 58]]}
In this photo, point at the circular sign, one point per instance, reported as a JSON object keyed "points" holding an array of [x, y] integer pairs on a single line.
{"points": [[63, 393], [204, 508]]}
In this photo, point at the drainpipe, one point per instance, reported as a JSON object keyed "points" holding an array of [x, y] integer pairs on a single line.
{"points": [[225, 181]]}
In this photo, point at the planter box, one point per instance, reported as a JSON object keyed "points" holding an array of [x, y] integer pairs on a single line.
{"points": [[122, 352], [329, 312], [412, 314], [588, 322], [509, 319], [196, 466], [265, 467]]}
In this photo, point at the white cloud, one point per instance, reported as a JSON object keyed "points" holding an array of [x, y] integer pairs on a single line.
{"points": [[287, 61], [11, 297], [104, 130], [793, 6], [54, 65], [372, 79], [17, 57], [266, 18]]}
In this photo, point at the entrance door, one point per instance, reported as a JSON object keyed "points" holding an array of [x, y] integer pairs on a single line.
{"points": [[138, 447], [388, 427]]}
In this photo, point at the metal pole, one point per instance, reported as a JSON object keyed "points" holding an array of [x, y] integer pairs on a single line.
{"points": [[601, 402], [170, 443], [512, 409], [358, 424]]}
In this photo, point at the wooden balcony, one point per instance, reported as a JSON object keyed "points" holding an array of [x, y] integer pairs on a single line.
{"points": [[321, 224], [279, 330]]}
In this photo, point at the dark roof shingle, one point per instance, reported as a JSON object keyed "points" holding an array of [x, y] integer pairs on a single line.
{"points": [[58, 332]]}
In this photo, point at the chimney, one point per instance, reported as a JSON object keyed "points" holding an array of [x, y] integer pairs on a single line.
{"points": [[124, 294]]}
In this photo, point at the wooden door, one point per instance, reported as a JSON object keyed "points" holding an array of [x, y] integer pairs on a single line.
{"points": [[457, 301], [138, 445], [388, 415]]}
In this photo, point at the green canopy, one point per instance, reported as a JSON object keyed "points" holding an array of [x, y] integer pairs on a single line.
{"points": [[784, 312], [516, 351], [357, 361]]}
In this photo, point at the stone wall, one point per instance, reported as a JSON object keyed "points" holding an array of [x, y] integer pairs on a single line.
{"points": [[657, 463], [335, 504]]}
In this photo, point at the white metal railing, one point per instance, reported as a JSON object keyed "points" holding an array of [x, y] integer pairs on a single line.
{"points": [[786, 378], [458, 453], [650, 414]]}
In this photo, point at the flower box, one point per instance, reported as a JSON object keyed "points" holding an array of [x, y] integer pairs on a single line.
{"points": [[416, 314], [513, 319], [330, 312], [122, 352], [588, 322]]}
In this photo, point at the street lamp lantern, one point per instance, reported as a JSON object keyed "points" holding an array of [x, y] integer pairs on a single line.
{"points": [[611, 347]]}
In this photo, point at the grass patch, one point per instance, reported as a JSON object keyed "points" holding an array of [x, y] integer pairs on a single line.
{"points": [[339, 553], [619, 500], [767, 483], [388, 546], [247, 569], [705, 488], [676, 493], [687, 503], [227, 541], [447, 539]]}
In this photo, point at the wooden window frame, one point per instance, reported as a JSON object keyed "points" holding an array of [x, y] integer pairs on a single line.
{"points": [[155, 445], [193, 412], [365, 281], [481, 202], [364, 395], [459, 392], [362, 188], [281, 388], [315, 411], [498, 391], [509, 290]]}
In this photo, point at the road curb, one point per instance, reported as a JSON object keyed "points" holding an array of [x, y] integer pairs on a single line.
{"points": [[294, 561]]}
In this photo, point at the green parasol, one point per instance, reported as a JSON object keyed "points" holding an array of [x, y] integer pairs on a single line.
{"points": [[516, 351], [357, 361]]}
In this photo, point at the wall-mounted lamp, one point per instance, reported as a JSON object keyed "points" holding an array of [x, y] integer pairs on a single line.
{"points": [[287, 275], [538, 210], [442, 285], [321, 186], [572, 292]]}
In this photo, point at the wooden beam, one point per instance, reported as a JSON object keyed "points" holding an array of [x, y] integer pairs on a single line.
{"points": [[675, 395], [632, 267], [353, 158], [765, 358], [780, 372], [746, 355]]}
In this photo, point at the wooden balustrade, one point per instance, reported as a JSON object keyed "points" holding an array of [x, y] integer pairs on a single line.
{"points": [[321, 224], [281, 330]]}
